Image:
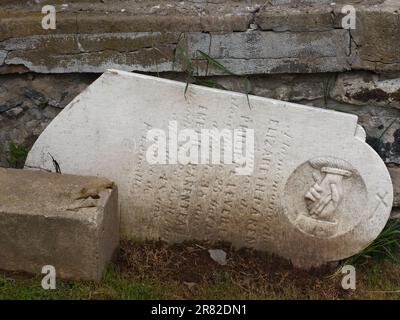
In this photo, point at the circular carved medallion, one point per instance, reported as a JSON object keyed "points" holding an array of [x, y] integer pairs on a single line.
{"points": [[325, 197]]}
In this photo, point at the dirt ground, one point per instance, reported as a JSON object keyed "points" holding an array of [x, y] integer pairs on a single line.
{"points": [[252, 274], [154, 270]]}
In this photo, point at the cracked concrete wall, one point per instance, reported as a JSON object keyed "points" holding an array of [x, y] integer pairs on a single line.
{"points": [[242, 53], [270, 37]]}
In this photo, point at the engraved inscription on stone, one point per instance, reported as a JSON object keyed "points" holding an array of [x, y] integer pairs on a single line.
{"points": [[294, 180]]}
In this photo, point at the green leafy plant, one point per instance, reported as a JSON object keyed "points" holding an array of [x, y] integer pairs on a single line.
{"points": [[16, 153], [191, 69], [385, 246]]}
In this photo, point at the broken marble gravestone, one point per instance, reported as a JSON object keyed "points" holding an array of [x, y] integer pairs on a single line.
{"points": [[293, 180]]}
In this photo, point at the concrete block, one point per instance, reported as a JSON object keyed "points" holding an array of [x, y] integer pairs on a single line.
{"points": [[69, 222]]}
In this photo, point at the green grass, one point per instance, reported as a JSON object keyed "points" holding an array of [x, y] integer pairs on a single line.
{"points": [[373, 283], [16, 153], [154, 270], [190, 67], [112, 286], [385, 246], [157, 271]]}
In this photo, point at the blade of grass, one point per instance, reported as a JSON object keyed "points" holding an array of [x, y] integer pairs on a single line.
{"points": [[186, 87], [188, 62], [215, 63], [181, 35], [386, 245], [191, 78]]}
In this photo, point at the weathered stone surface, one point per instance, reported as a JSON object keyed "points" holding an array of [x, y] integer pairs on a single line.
{"points": [[280, 18], [395, 175], [376, 40], [268, 200], [382, 126], [129, 16], [243, 53], [311, 15], [367, 89], [3, 55], [395, 213], [287, 87], [69, 222], [41, 97], [331, 91], [19, 19], [273, 52], [141, 36], [93, 53], [8, 105]]}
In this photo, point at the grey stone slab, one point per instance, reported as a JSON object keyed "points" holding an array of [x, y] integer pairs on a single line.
{"points": [[67, 221]]}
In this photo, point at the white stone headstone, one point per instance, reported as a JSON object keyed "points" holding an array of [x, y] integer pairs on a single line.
{"points": [[297, 181]]}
